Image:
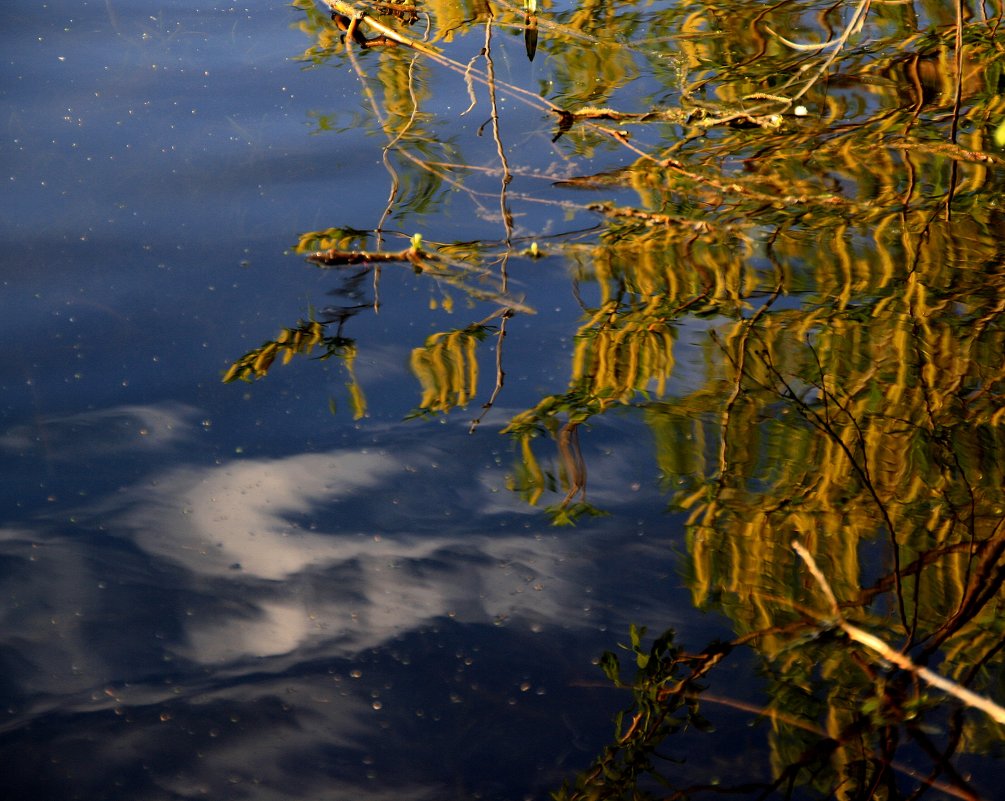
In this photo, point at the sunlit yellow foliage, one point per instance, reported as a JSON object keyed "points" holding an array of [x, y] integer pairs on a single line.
{"points": [[822, 228], [290, 342], [447, 369], [337, 238], [621, 356], [301, 340], [529, 481]]}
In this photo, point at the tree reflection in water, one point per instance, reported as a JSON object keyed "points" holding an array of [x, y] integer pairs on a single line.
{"points": [[817, 235]]}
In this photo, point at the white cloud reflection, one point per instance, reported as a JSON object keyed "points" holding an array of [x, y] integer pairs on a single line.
{"points": [[212, 520], [252, 585], [341, 577], [339, 550]]}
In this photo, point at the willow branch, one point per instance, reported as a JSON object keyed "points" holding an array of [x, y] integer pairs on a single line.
{"points": [[874, 643], [359, 16]]}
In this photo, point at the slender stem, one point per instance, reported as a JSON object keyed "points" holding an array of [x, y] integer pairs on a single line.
{"points": [[874, 643]]}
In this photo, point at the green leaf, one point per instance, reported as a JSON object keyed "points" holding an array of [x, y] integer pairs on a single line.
{"points": [[636, 633], [611, 667]]}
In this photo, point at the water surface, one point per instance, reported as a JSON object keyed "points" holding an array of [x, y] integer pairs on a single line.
{"points": [[286, 589]]}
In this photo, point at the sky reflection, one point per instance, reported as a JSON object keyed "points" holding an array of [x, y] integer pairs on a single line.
{"points": [[289, 552], [224, 591], [251, 620]]}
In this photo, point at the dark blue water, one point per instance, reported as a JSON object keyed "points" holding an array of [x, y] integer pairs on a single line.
{"points": [[228, 591]]}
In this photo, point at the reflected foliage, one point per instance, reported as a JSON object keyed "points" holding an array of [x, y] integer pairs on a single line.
{"points": [[801, 203], [665, 692], [447, 368], [302, 340]]}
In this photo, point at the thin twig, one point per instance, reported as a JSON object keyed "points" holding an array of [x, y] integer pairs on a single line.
{"points": [[500, 373], [874, 643], [837, 45]]}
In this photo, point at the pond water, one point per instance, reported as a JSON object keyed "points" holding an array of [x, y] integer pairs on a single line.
{"points": [[325, 581]]}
